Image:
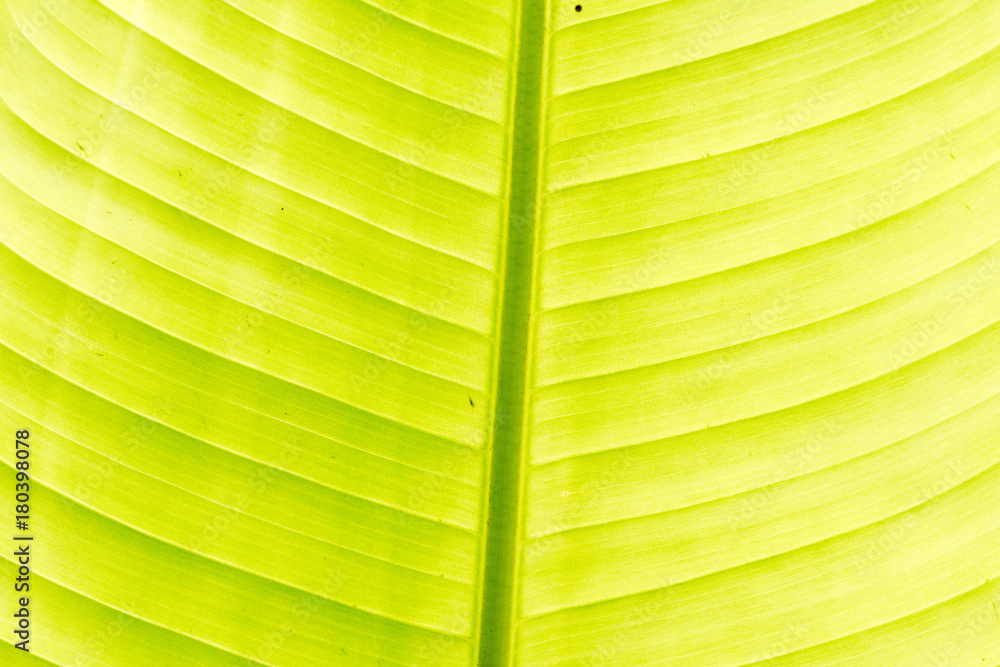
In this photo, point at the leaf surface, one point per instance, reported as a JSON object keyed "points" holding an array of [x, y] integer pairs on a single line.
{"points": [[526, 333]]}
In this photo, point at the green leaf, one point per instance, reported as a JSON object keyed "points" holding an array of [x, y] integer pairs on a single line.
{"points": [[619, 332]]}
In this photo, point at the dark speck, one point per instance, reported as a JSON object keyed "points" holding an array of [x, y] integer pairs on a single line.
{"points": [[579, 8], [471, 403]]}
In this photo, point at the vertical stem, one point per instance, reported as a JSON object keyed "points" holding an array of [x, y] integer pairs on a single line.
{"points": [[503, 523]]}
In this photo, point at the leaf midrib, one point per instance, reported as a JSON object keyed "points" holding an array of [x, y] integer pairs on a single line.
{"points": [[502, 514]]}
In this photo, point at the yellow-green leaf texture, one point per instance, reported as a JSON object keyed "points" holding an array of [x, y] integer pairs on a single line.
{"points": [[503, 332]]}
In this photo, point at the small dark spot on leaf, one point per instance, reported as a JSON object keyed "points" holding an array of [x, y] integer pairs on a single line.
{"points": [[579, 8], [81, 148], [471, 403]]}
